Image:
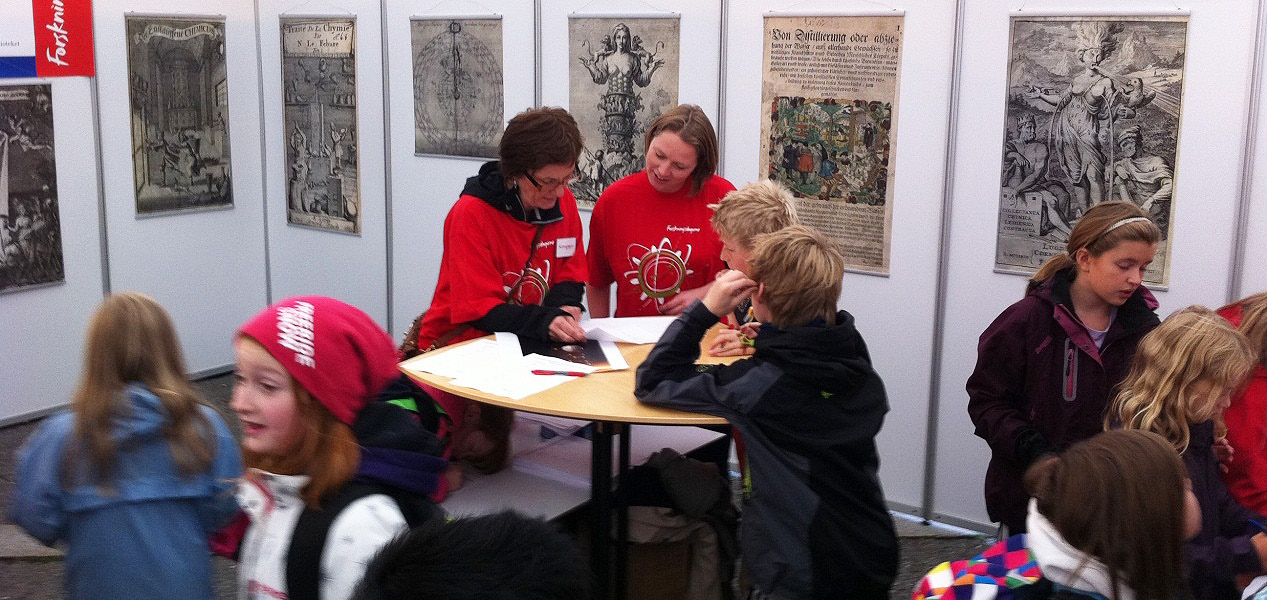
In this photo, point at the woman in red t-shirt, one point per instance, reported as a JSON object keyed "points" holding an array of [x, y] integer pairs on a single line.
{"points": [[650, 232]]}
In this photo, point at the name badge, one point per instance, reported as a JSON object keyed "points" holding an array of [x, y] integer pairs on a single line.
{"points": [[565, 247]]}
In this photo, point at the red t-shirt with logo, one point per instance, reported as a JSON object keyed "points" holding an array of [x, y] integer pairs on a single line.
{"points": [[653, 245], [484, 253]]}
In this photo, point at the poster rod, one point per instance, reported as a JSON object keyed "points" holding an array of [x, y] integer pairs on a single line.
{"points": [[103, 231], [628, 15], [943, 271], [824, 13], [1142, 12], [1240, 229], [486, 17]]}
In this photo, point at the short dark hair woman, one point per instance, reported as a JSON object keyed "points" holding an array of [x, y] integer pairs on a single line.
{"points": [[514, 260]]}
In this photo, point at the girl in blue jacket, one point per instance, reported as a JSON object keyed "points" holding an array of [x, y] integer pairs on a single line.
{"points": [[135, 477]]}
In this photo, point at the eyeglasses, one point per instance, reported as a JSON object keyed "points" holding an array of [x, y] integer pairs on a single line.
{"points": [[549, 185]]}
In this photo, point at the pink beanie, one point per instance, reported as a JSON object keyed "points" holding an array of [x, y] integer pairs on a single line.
{"points": [[335, 351]]}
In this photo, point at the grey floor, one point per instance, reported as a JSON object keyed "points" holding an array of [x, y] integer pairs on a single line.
{"points": [[28, 572]]}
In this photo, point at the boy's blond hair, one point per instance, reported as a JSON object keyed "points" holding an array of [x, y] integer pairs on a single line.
{"points": [[801, 270], [1191, 346], [757, 208]]}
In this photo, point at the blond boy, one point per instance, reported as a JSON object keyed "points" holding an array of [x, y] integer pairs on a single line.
{"points": [[808, 405], [742, 215]]}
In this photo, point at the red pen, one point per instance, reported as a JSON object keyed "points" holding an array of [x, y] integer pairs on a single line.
{"points": [[568, 373]]}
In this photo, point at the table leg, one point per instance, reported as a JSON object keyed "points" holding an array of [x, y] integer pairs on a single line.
{"points": [[601, 500], [622, 513]]}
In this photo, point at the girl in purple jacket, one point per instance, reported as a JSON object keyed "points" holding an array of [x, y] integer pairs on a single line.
{"points": [[1183, 376], [1047, 364]]}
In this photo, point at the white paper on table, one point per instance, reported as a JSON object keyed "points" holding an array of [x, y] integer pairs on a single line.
{"points": [[632, 330]]}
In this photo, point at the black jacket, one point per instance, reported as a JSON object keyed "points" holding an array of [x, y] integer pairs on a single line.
{"points": [[809, 406]]}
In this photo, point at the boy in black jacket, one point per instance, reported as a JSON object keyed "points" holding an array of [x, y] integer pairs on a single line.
{"points": [[809, 406]]}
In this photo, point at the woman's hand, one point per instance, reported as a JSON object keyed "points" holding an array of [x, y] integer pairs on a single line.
{"points": [[1224, 451], [564, 328]]}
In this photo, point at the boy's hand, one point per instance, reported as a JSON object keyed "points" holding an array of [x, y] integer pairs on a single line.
{"points": [[730, 288], [730, 342]]}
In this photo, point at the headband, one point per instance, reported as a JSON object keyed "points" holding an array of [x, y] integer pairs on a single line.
{"points": [[1125, 222]]}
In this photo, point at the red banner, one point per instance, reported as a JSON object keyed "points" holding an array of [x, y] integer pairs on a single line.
{"points": [[63, 38]]}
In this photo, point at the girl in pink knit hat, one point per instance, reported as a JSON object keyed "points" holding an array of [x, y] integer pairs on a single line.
{"points": [[321, 451]]}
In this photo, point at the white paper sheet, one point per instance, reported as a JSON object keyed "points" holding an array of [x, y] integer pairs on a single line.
{"points": [[632, 330]]}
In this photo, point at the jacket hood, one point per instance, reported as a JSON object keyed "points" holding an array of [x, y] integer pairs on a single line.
{"points": [[489, 187], [144, 422], [396, 449], [1138, 310], [832, 357]]}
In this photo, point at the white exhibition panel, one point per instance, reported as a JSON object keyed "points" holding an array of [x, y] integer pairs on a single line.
{"points": [[1217, 73], [894, 313], [43, 328], [423, 188], [206, 268], [303, 260], [1254, 254]]}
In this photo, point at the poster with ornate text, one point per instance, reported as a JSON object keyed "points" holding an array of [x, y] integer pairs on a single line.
{"points": [[1092, 115], [319, 87], [30, 225], [457, 85], [829, 124], [178, 86], [623, 74]]}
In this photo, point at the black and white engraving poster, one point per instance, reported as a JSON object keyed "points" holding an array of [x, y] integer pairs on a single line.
{"points": [[829, 125], [180, 113], [30, 227], [1093, 109], [623, 73], [319, 81], [457, 85]]}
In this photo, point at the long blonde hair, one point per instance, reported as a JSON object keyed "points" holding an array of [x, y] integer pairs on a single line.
{"points": [[132, 340], [1191, 346], [1095, 232]]}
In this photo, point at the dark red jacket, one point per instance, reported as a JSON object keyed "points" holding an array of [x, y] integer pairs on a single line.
{"points": [[1246, 420], [1040, 384]]}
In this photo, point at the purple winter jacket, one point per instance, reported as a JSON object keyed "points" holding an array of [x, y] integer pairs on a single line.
{"points": [[1040, 384]]}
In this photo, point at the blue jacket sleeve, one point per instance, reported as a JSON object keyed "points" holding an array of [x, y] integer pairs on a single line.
{"points": [[38, 501], [669, 376], [226, 469]]}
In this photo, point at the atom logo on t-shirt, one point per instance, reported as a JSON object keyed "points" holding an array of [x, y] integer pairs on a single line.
{"points": [[658, 270], [535, 286]]}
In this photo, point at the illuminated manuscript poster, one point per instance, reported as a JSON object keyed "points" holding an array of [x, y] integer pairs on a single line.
{"points": [[1092, 115], [828, 126]]}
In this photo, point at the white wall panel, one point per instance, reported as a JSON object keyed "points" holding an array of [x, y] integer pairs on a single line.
{"points": [[206, 268]]}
